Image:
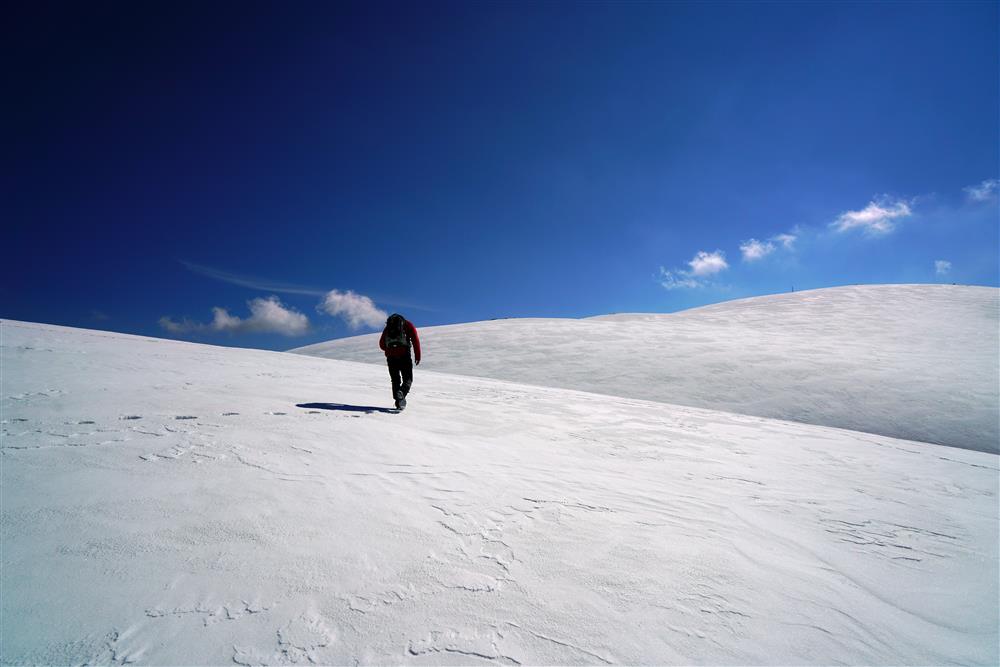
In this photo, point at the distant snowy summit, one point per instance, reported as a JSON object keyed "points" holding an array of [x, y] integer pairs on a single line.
{"points": [[918, 362]]}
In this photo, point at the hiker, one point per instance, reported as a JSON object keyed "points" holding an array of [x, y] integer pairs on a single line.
{"points": [[397, 338]]}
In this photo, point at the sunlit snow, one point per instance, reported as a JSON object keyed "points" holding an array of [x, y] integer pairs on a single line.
{"points": [[911, 361], [172, 503]]}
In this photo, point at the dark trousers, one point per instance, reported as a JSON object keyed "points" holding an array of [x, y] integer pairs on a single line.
{"points": [[401, 372]]}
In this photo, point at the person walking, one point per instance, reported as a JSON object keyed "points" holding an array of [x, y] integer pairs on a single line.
{"points": [[398, 336]]}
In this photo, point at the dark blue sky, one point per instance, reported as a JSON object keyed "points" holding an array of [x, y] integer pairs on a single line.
{"points": [[467, 161]]}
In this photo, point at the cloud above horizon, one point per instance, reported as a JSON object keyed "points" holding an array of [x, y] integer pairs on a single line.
{"points": [[703, 265], [252, 282], [754, 250], [880, 217], [983, 192], [274, 286], [708, 263], [677, 279], [787, 240], [876, 219], [355, 309], [267, 315]]}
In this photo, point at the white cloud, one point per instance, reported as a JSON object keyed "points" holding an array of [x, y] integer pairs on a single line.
{"points": [[753, 249], [356, 309], [677, 279], [786, 240], [262, 284], [942, 266], [273, 286], [223, 321], [708, 263], [702, 265], [267, 315], [184, 326], [985, 191], [876, 218]]}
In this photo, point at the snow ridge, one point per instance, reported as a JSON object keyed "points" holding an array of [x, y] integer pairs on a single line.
{"points": [[917, 362]]}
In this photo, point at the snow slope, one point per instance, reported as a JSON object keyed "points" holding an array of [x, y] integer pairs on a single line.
{"points": [[910, 361], [172, 503]]}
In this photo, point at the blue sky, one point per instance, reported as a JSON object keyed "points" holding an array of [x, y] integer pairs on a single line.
{"points": [[272, 176]]}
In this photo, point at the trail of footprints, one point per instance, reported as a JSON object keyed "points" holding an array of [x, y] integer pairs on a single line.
{"points": [[18, 434], [48, 435], [212, 615], [479, 562]]}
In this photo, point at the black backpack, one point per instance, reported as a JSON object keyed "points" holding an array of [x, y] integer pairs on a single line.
{"points": [[395, 332]]}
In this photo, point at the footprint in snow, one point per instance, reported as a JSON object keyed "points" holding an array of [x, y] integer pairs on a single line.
{"points": [[185, 417], [229, 414], [130, 417], [276, 413]]}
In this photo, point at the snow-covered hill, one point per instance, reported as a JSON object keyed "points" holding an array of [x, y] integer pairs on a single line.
{"points": [[172, 503], [910, 361]]}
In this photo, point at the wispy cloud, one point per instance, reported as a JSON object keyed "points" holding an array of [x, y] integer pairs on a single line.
{"points": [[677, 279], [267, 315], [703, 265], [876, 219], [942, 267], [181, 326], [754, 250], [983, 192], [252, 282], [266, 285], [787, 241], [356, 309]]}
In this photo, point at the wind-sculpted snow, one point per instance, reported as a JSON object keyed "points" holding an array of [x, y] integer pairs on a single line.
{"points": [[171, 503], [918, 362]]}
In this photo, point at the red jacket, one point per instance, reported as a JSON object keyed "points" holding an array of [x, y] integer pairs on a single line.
{"points": [[411, 331]]}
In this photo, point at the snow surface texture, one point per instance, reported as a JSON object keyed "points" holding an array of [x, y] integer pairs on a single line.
{"points": [[172, 503], [920, 362]]}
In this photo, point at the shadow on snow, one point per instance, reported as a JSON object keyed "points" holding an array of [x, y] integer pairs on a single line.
{"points": [[368, 409]]}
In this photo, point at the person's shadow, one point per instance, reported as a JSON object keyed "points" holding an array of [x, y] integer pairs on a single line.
{"points": [[367, 409]]}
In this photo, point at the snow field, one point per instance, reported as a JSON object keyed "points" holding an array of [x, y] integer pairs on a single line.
{"points": [[918, 362], [171, 503]]}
